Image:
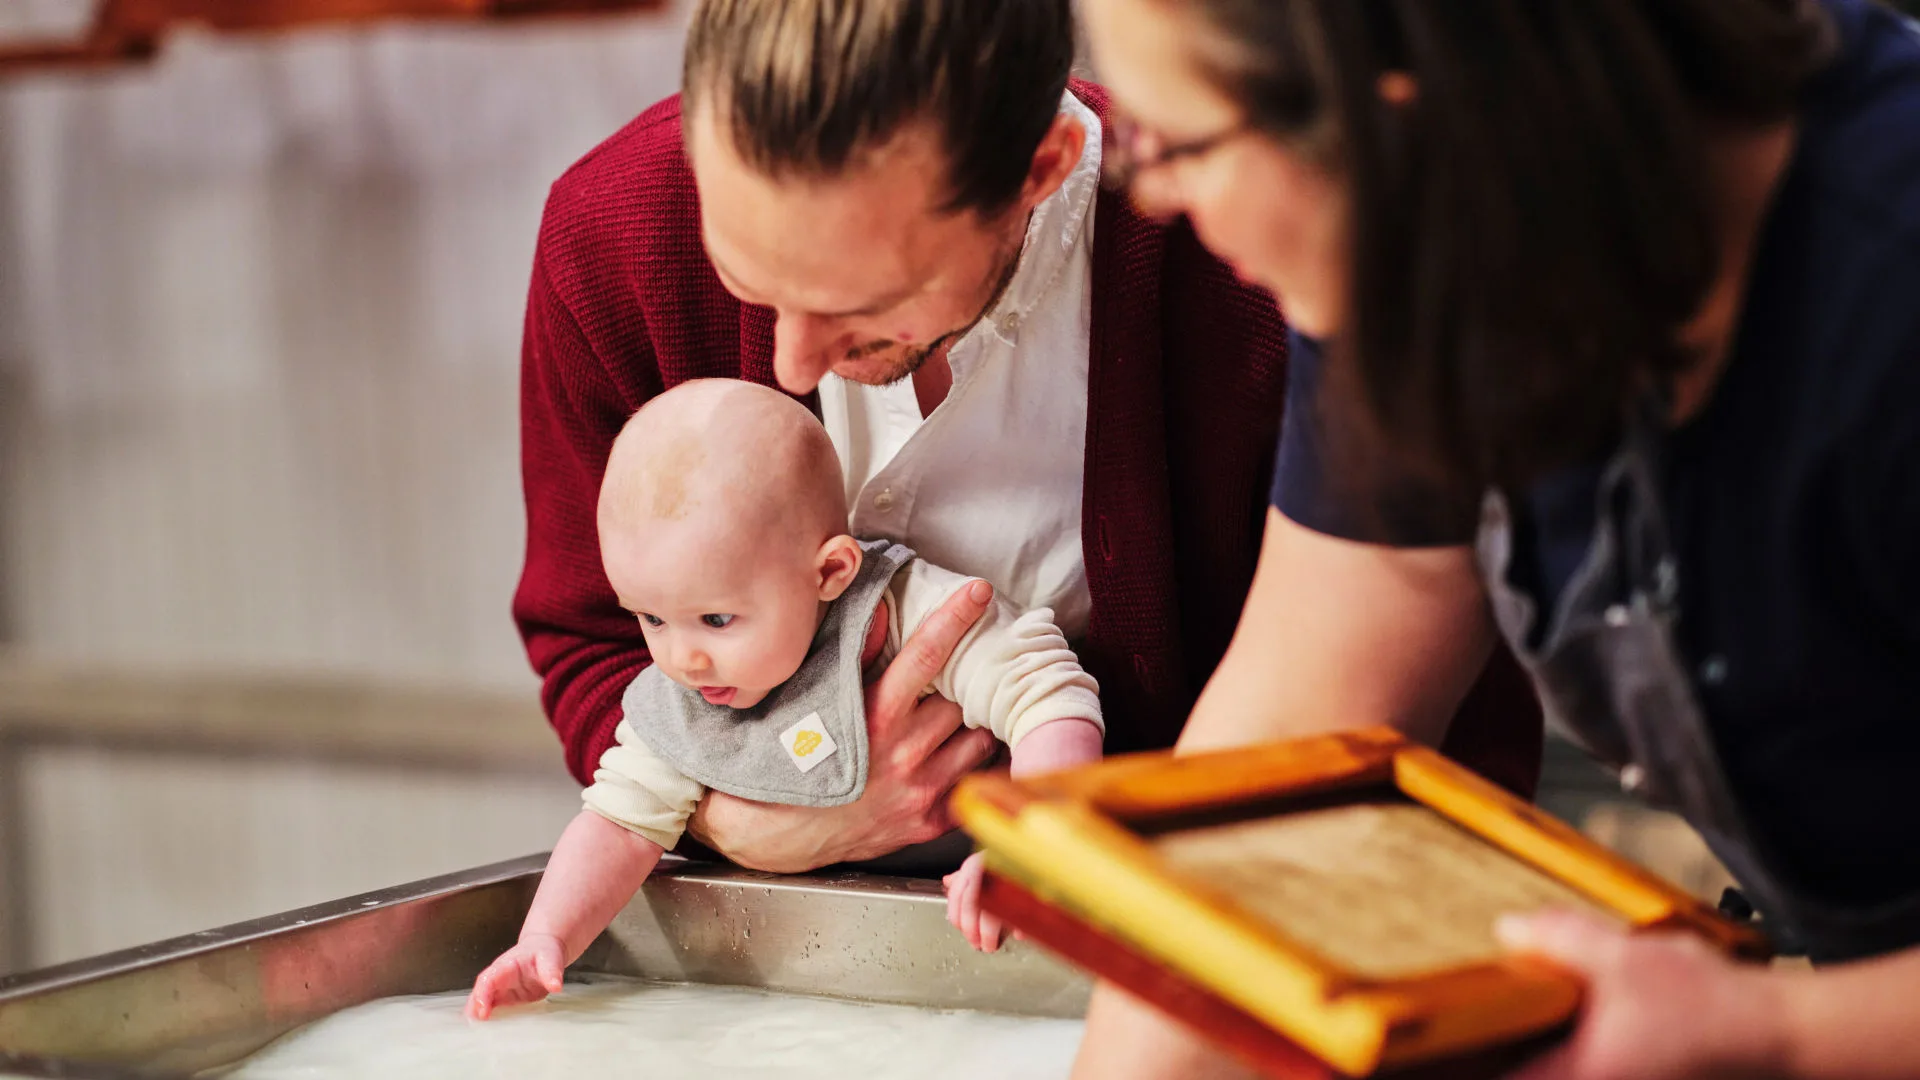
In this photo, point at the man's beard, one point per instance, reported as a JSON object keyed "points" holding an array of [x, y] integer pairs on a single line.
{"points": [[908, 360], [911, 358]]}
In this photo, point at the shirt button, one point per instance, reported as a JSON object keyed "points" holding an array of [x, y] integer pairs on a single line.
{"points": [[883, 502], [1714, 671], [1010, 323], [1633, 778], [1616, 615]]}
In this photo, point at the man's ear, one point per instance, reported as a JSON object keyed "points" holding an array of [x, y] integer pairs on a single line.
{"points": [[1053, 160], [836, 565]]}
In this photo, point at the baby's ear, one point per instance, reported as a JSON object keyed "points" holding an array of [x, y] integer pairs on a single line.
{"points": [[837, 563]]}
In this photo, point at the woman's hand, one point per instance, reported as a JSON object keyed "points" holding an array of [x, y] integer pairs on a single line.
{"points": [[1658, 1006], [916, 752]]}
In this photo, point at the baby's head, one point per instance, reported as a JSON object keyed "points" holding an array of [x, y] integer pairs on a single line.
{"points": [[723, 528]]}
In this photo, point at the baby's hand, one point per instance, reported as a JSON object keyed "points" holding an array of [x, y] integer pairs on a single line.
{"points": [[527, 972], [963, 905]]}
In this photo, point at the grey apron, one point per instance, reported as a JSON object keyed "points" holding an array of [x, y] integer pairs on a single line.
{"points": [[806, 743], [1612, 679]]}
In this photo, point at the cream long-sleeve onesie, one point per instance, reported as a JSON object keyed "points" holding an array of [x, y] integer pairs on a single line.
{"points": [[1011, 673]]}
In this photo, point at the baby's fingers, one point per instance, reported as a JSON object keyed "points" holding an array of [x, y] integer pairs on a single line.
{"points": [[547, 971], [951, 882], [969, 891], [486, 993], [990, 931], [514, 979]]}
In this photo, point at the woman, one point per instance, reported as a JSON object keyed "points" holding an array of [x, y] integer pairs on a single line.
{"points": [[1609, 320]]}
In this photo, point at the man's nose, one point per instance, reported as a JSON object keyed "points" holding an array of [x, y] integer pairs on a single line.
{"points": [[800, 354]]}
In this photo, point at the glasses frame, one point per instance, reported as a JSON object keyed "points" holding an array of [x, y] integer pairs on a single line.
{"points": [[1123, 160]]}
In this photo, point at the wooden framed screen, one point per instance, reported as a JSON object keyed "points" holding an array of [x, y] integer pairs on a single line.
{"points": [[1325, 903]]}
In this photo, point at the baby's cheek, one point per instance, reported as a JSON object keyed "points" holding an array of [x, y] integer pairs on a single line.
{"points": [[759, 664]]}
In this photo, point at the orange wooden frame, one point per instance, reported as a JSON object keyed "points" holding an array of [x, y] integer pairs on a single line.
{"points": [[132, 30], [1068, 845]]}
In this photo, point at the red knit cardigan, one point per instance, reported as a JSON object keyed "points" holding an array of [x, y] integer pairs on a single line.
{"points": [[1184, 396]]}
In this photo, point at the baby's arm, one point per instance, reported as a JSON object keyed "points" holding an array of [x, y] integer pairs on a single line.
{"points": [[595, 869], [635, 810], [1015, 674], [1056, 744]]}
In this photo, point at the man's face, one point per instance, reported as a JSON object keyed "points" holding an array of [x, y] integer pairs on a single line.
{"points": [[866, 274]]}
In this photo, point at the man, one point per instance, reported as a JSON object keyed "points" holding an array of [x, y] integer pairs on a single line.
{"points": [[892, 207]]}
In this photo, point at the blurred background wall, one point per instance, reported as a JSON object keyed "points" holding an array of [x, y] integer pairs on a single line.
{"points": [[262, 305], [260, 309]]}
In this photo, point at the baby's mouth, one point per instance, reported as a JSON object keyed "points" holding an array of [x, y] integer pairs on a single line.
{"points": [[718, 695]]}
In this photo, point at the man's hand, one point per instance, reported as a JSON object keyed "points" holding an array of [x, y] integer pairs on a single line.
{"points": [[916, 752], [1658, 1006]]}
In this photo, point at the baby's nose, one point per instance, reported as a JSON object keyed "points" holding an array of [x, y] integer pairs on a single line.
{"points": [[693, 661]]}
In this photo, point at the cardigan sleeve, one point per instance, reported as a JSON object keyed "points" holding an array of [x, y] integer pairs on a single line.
{"points": [[585, 649]]}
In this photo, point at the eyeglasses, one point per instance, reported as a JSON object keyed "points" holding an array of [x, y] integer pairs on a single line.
{"points": [[1130, 149]]}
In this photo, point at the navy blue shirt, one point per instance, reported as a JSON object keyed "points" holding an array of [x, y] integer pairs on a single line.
{"points": [[1793, 495]]}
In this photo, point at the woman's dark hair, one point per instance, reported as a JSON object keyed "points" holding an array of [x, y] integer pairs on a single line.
{"points": [[1530, 231]]}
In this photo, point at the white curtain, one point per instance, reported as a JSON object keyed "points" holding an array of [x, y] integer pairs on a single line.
{"points": [[260, 312]]}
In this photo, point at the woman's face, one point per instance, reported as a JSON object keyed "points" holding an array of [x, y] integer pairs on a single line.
{"points": [[1277, 219]]}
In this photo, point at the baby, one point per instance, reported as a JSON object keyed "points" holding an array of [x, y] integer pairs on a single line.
{"points": [[723, 529]]}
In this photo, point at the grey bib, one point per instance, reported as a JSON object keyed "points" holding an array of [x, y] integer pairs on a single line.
{"points": [[806, 743]]}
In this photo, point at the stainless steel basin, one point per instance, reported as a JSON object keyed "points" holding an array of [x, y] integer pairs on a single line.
{"points": [[209, 999]]}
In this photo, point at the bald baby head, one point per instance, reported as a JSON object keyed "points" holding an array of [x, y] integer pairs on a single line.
{"points": [[723, 529], [729, 455]]}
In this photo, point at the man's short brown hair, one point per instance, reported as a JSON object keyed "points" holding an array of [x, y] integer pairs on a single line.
{"points": [[807, 85]]}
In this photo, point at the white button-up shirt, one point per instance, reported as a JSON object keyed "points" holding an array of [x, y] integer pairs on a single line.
{"points": [[989, 483]]}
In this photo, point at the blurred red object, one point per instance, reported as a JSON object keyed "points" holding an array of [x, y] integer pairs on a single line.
{"points": [[126, 31]]}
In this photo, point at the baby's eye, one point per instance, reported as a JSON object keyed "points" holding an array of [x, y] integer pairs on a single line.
{"points": [[652, 620], [718, 622]]}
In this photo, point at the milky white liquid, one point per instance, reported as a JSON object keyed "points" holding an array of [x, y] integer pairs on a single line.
{"points": [[622, 1027]]}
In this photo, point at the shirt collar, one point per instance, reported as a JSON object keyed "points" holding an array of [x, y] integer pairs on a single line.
{"points": [[1053, 231]]}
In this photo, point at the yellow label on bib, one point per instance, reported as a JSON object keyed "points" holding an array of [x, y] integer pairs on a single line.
{"points": [[807, 743]]}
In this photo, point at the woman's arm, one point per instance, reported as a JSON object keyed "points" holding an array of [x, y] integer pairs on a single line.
{"points": [[1127, 1039], [1336, 635], [1854, 1021], [1339, 634]]}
